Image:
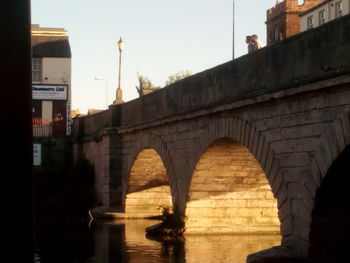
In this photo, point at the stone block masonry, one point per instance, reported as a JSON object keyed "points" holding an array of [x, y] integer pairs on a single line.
{"points": [[229, 193]]}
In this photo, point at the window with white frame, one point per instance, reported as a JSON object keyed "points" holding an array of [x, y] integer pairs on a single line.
{"points": [[37, 70], [338, 9], [321, 17], [310, 22]]}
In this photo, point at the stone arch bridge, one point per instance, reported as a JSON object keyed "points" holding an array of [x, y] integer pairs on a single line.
{"points": [[255, 145]]}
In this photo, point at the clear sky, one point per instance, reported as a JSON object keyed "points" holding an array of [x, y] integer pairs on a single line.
{"points": [[161, 38]]}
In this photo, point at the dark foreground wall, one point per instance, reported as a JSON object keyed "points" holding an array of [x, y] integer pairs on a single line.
{"points": [[16, 225]]}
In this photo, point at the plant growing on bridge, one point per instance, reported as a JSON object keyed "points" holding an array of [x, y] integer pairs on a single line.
{"points": [[145, 85], [173, 222], [172, 226], [178, 76]]}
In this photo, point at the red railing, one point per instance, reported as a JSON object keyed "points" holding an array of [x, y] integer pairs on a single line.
{"points": [[45, 128]]}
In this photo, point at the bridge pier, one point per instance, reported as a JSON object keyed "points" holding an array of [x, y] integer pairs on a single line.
{"points": [[113, 179]]}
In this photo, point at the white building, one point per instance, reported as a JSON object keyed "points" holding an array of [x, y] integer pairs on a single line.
{"points": [[51, 76], [323, 13]]}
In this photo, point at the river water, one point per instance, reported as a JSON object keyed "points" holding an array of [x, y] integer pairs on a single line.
{"points": [[124, 241]]}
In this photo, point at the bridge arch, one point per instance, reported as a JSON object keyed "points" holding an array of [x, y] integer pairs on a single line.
{"points": [[147, 181], [229, 190], [243, 132], [329, 230]]}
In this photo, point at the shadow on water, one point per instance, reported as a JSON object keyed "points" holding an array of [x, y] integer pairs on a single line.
{"points": [[63, 240], [124, 241]]}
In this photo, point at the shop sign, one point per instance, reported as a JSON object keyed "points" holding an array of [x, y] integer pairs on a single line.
{"points": [[49, 92]]}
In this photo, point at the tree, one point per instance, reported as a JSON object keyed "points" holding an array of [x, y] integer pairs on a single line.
{"points": [[178, 76], [145, 85]]}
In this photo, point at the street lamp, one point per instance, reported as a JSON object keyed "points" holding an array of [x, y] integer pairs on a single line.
{"points": [[99, 78], [119, 94]]}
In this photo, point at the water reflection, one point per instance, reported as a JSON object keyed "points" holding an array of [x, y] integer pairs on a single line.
{"points": [[125, 242], [226, 248]]}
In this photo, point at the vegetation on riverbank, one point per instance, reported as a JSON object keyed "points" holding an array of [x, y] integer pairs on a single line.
{"points": [[67, 189]]}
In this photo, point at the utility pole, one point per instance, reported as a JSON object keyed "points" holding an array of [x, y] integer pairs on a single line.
{"points": [[233, 29]]}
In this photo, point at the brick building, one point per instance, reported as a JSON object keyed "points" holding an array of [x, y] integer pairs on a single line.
{"points": [[283, 20]]}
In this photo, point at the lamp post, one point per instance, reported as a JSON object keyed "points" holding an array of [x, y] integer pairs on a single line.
{"points": [[99, 78], [119, 93]]}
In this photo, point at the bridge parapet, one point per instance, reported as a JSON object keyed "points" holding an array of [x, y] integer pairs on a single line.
{"points": [[313, 55], [307, 57]]}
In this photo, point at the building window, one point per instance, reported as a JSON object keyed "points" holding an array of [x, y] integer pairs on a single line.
{"points": [[281, 36], [338, 9], [310, 22], [272, 35], [321, 17], [276, 35], [37, 70]]}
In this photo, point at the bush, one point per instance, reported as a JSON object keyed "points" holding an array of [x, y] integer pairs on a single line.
{"points": [[172, 226]]}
